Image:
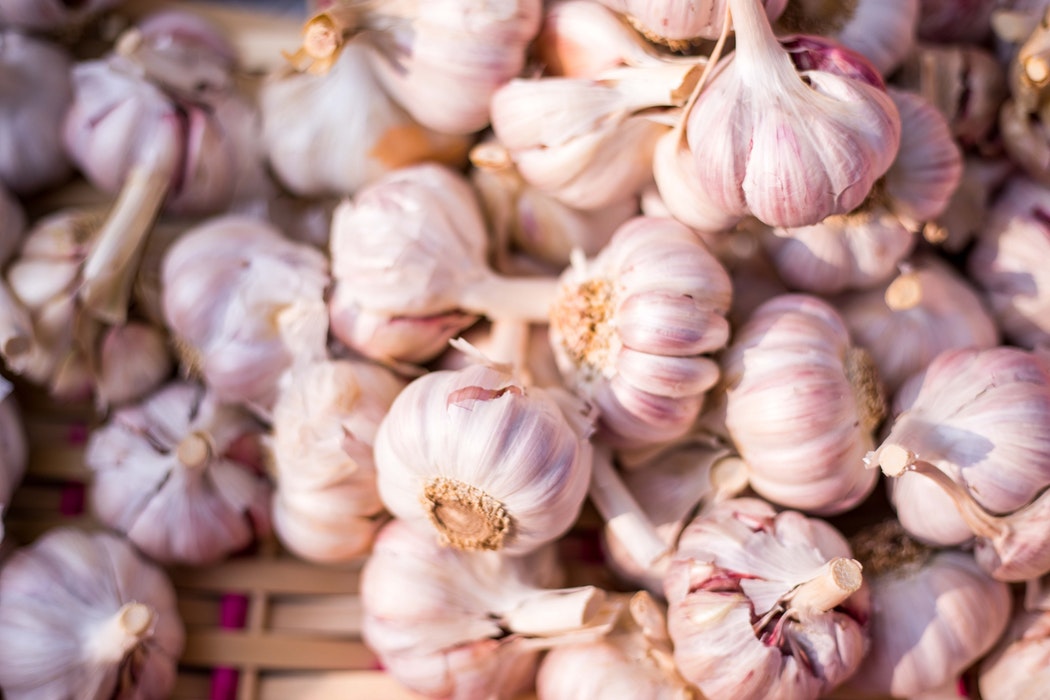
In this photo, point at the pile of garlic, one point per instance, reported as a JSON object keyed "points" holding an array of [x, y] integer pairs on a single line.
{"points": [[751, 292]]}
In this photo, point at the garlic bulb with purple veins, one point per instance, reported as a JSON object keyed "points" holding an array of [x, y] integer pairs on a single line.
{"points": [[35, 93], [933, 614], [970, 453], [469, 625], [802, 403], [680, 23], [632, 328], [52, 15], [790, 131], [227, 285], [82, 615], [761, 604], [484, 461], [1018, 668], [162, 476], [926, 309], [14, 448]]}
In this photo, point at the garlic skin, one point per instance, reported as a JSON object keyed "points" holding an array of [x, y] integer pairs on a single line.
{"points": [[790, 132], [52, 15], [36, 94], [14, 448], [678, 23], [792, 370], [761, 604], [227, 284], [1016, 669], [484, 461], [632, 328], [83, 615]]}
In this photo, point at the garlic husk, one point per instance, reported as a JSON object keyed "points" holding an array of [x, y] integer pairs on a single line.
{"points": [[36, 93], [933, 614], [802, 403], [1017, 668], [331, 134], [790, 132], [482, 461], [762, 605], [14, 448], [632, 329], [924, 310], [679, 23], [82, 615]]}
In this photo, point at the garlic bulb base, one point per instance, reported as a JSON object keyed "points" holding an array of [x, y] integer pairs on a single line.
{"points": [[840, 579], [464, 515]]}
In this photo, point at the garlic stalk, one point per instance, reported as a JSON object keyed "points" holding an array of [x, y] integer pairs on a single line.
{"points": [[83, 615], [14, 448], [680, 23], [54, 16]]}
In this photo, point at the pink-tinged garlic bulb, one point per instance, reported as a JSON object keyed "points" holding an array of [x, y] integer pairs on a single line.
{"points": [[82, 615], [631, 330], [403, 342], [789, 131], [1007, 261], [679, 23], [926, 309], [1024, 118], [761, 604], [487, 463], [967, 210], [469, 625], [56, 16], [970, 452], [14, 449], [164, 477], [324, 425], [1018, 667], [933, 614], [229, 284], [633, 660], [802, 404], [35, 93]]}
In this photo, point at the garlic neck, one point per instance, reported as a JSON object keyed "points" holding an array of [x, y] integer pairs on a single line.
{"points": [[122, 632], [757, 50], [464, 515], [867, 388]]}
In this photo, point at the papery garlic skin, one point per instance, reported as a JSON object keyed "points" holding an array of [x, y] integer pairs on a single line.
{"points": [[1017, 668], [14, 449], [162, 476], [802, 405], [679, 22], [83, 615], [632, 328], [485, 461]]}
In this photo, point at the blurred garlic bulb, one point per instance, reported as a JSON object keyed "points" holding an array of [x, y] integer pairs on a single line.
{"points": [[802, 403], [35, 95], [967, 209], [632, 328], [488, 463], [1018, 667], [56, 16], [970, 450], [933, 614], [1024, 120], [14, 448], [82, 615], [162, 477], [133, 359], [229, 286], [761, 604], [678, 23], [926, 309], [962, 21]]}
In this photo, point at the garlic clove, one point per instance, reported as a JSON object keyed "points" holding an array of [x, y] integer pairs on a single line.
{"points": [[320, 531], [133, 359]]}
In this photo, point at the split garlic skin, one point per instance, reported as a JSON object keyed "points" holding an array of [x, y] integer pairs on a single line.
{"points": [[14, 449], [82, 615], [1017, 668], [761, 604]]}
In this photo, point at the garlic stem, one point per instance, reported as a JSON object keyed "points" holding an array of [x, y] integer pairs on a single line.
{"points": [[521, 298], [839, 579], [120, 633], [904, 293], [653, 86], [194, 451], [510, 345], [551, 612], [622, 514], [712, 61], [757, 50]]}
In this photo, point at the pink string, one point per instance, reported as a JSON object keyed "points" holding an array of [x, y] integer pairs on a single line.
{"points": [[233, 614]]}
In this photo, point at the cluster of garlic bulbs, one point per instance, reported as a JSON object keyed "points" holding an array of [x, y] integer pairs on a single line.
{"points": [[748, 292]]}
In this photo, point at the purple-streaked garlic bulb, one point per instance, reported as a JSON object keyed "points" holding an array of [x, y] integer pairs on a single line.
{"points": [[633, 660], [230, 286], [14, 448], [926, 309], [789, 131], [933, 614], [802, 403], [631, 330], [1008, 261], [167, 475], [970, 452], [324, 425], [35, 93], [761, 604], [679, 23], [1018, 667], [469, 625], [55, 16], [484, 462], [82, 615]]}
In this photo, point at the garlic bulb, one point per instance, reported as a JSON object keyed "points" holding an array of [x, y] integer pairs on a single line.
{"points": [[14, 449], [790, 132], [970, 450], [36, 92], [133, 359], [486, 462], [933, 614], [678, 23], [802, 403], [1017, 668], [229, 284], [162, 476], [761, 604], [52, 15], [632, 327], [926, 309], [83, 616]]}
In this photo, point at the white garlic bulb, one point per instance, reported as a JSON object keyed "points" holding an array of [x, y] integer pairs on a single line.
{"points": [[82, 615], [14, 448]]}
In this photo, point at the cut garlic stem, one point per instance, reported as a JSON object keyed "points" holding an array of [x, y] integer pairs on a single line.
{"points": [[904, 293], [840, 578], [123, 631], [521, 298], [194, 451], [111, 266], [622, 514], [510, 344], [552, 612]]}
